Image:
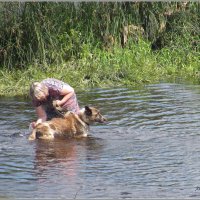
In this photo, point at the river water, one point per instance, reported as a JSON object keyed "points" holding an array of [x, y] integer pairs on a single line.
{"points": [[149, 148]]}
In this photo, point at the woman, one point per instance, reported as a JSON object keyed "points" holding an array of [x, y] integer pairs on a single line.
{"points": [[50, 90]]}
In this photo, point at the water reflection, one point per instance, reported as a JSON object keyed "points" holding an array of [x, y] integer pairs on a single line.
{"points": [[56, 154], [65, 155]]}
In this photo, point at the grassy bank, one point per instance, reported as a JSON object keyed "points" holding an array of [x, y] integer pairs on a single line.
{"points": [[134, 65], [103, 44]]}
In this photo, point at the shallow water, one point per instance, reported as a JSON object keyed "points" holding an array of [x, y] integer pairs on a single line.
{"points": [[150, 148]]}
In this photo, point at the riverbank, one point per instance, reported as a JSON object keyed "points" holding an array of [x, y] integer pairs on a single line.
{"points": [[134, 65], [97, 44]]}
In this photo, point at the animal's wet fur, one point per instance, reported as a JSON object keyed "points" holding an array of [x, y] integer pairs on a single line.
{"points": [[70, 126]]}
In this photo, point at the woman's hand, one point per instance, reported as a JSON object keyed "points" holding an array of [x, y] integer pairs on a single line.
{"points": [[56, 103], [33, 124]]}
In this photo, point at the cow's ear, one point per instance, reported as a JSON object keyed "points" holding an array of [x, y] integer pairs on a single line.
{"points": [[88, 111]]}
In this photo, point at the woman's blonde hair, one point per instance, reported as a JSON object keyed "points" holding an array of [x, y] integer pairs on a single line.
{"points": [[38, 89]]}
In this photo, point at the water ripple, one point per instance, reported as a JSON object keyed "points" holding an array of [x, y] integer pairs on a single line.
{"points": [[149, 148]]}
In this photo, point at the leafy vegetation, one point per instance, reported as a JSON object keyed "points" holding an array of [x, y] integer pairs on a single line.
{"points": [[97, 43]]}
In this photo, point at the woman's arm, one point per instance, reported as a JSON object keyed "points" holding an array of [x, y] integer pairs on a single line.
{"points": [[41, 113], [67, 92]]}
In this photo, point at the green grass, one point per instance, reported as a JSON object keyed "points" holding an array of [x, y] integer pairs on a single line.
{"points": [[67, 41], [134, 65]]}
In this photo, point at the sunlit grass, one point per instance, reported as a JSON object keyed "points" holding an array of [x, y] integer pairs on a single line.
{"points": [[134, 65], [66, 40]]}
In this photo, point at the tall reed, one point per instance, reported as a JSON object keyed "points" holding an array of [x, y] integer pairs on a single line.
{"points": [[43, 33]]}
